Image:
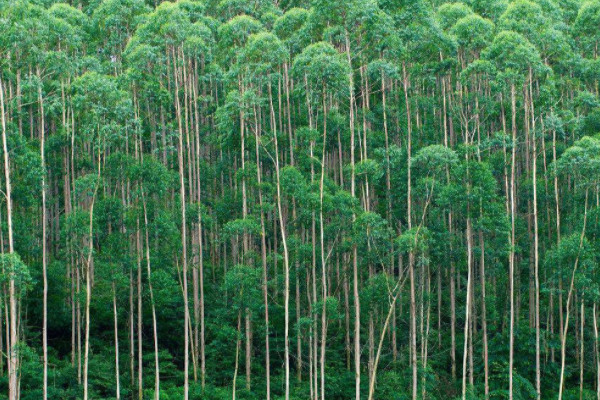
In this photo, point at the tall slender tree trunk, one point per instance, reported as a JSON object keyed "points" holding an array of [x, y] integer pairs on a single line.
{"points": [[582, 342], [557, 203], [186, 311], [511, 261], [468, 306], [563, 346], [88, 288], [263, 249], [44, 239], [140, 353], [447, 119], [538, 382], [286, 266], [131, 333], [150, 289], [388, 188], [411, 255], [237, 353], [14, 338], [354, 249], [200, 269], [391, 311], [116, 329], [323, 256], [597, 352]]}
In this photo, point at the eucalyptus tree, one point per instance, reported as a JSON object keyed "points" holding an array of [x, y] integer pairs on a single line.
{"points": [[243, 281], [587, 18], [232, 37], [104, 113], [324, 72], [265, 53], [35, 52], [449, 17], [581, 162], [25, 22], [293, 29], [58, 36], [375, 37], [154, 183], [138, 57], [13, 344], [199, 47], [515, 57], [423, 41], [524, 17], [171, 30], [387, 72], [587, 36], [450, 13], [350, 26], [431, 165], [115, 22], [472, 34]]}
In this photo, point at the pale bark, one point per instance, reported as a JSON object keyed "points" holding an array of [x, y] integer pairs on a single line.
{"points": [[263, 253], [44, 241], [88, 289], [140, 352], [411, 255], [323, 257], [116, 329], [563, 345], [467, 308], [538, 384], [484, 317], [186, 310], [511, 261], [597, 352], [354, 249], [14, 339], [150, 289], [286, 266]]}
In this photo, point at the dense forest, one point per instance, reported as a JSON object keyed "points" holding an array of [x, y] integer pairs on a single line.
{"points": [[299, 199]]}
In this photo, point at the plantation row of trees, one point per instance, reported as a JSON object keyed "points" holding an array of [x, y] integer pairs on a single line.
{"points": [[300, 199]]}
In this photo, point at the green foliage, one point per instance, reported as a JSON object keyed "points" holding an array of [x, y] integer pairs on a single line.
{"points": [[322, 69], [314, 155], [15, 270]]}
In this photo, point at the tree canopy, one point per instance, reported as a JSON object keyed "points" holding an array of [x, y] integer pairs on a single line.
{"points": [[299, 199]]}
